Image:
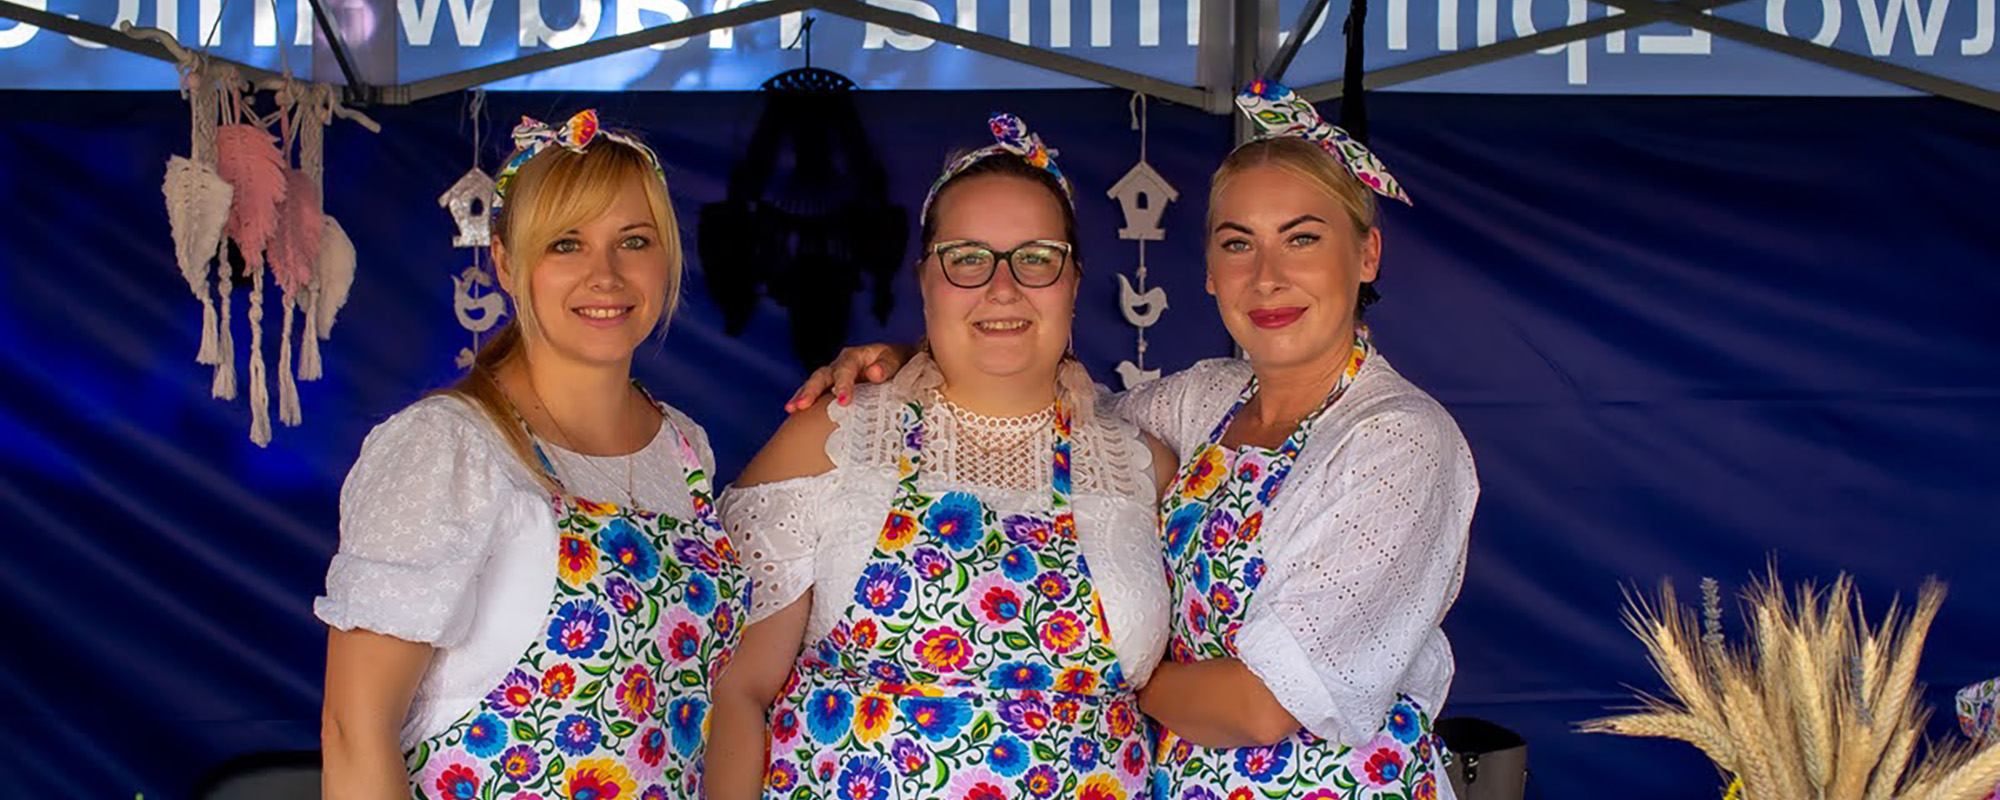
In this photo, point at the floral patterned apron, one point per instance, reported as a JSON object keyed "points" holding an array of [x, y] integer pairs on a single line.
{"points": [[974, 662], [1215, 563], [610, 701]]}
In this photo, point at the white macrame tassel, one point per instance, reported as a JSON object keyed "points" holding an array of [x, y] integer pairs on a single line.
{"points": [[203, 100], [207, 354], [224, 387], [309, 366], [288, 389], [260, 384]]}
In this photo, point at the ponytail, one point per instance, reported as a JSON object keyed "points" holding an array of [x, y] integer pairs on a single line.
{"points": [[481, 388]]}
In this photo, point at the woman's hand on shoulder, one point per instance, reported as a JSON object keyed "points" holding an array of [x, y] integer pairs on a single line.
{"points": [[868, 363]]}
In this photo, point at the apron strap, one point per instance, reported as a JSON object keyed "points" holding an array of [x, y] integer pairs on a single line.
{"points": [[1364, 349]]}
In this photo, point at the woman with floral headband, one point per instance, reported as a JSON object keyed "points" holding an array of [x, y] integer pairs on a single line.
{"points": [[958, 584], [1316, 534], [532, 591]]}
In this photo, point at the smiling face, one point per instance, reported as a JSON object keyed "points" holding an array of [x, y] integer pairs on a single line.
{"points": [[590, 256], [1285, 264], [600, 288], [1002, 328]]}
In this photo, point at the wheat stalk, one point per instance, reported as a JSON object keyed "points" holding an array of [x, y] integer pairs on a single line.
{"points": [[1813, 720], [1889, 771], [1971, 777], [1669, 724], [1819, 705]]}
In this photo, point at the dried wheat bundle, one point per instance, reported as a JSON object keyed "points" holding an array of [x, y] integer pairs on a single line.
{"points": [[1815, 705]]}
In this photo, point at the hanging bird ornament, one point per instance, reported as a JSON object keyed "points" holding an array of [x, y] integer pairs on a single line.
{"points": [[1143, 196]]}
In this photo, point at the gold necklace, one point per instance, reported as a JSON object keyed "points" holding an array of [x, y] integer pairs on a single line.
{"points": [[569, 443]]}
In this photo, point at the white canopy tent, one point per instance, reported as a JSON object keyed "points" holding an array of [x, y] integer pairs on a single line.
{"points": [[1240, 40]]}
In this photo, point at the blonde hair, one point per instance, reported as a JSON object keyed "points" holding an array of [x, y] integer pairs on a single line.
{"points": [[558, 191], [1307, 162]]}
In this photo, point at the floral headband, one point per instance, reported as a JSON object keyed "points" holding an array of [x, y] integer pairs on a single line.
{"points": [[533, 136], [1010, 135], [1279, 111]]}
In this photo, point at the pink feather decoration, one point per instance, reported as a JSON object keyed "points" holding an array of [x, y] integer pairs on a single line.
{"points": [[247, 157], [296, 242]]}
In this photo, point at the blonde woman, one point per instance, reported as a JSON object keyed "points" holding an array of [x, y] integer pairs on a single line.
{"points": [[532, 590]]}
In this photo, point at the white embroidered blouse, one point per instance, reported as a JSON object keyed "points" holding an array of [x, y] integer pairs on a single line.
{"points": [[447, 539], [817, 532], [1365, 543]]}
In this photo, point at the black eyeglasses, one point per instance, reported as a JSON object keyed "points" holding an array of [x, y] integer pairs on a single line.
{"points": [[970, 265]]}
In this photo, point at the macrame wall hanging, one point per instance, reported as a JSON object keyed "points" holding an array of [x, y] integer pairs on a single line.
{"points": [[806, 217], [1143, 196], [475, 298], [237, 206]]}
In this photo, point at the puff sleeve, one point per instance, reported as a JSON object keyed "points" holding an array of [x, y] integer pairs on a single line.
{"points": [[418, 515], [776, 528]]}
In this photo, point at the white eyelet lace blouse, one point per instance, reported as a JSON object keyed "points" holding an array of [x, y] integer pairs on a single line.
{"points": [[817, 532], [1365, 545], [447, 539]]}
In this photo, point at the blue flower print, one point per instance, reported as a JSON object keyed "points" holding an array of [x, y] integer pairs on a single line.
{"points": [[626, 546], [1402, 723], [937, 718], [685, 716], [700, 596], [829, 714], [955, 519], [1008, 756], [1022, 675], [577, 734], [1083, 754], [1260, 764], [864, 778], [1181, 528], [486, 736], [883, 587], [579, 629], [1018, 564]]}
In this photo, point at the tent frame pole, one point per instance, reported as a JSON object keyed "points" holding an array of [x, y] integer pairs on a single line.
{"points": [[1275, 71], [1818, 54], [1489, 53], [110, 37]]}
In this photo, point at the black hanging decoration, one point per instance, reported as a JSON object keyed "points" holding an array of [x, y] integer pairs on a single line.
{"points": [[807, 215], [1353, 105]]}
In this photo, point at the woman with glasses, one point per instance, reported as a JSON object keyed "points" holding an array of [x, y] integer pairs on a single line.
{"points": [[957, 583]]}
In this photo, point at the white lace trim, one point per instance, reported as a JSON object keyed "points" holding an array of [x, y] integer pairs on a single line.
{"points": [[817, 532], [1107, 456]]}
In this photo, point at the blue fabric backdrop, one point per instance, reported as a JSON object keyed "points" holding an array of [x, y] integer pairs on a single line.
{"points": [[1681, 335]]}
